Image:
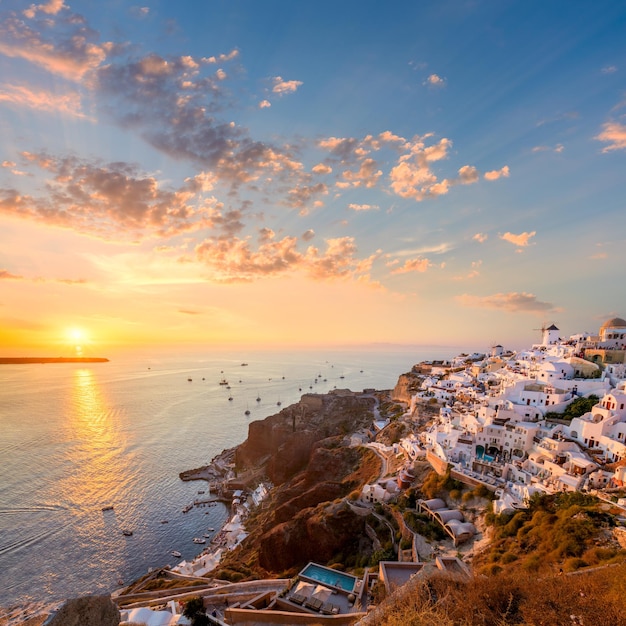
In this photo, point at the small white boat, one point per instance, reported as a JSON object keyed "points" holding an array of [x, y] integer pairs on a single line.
{"points": [[210, 530], [176, 553], [199, 540], [207, 535]]}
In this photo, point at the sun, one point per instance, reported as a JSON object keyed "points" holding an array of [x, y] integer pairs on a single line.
{"points": [[77, 339], [77, 335]]}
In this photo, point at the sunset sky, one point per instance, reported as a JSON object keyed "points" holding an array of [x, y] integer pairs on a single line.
{"points": [[309, 173]]}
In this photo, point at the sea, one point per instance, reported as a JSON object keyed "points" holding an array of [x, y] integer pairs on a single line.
{"points": [[78, 438]]}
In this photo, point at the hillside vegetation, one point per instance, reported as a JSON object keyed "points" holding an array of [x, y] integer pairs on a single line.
{"points": [[557, 563], [566, 531], [589, 598]]}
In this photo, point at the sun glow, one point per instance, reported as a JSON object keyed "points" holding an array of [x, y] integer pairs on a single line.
{"points": [[77, 339]]}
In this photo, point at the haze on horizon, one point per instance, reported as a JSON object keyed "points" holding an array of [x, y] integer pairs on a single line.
{"points": [[275, 174]]}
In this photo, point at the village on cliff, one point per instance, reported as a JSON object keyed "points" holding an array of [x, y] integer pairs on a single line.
{"points": [[499, 423], [490, 421]]}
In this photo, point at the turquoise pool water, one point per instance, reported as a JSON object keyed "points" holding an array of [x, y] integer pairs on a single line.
{"points": [[329, 577]]}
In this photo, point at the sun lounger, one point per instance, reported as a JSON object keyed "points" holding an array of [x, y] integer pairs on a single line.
{"points": [[314, 603], [298, 598], [328, 608]]}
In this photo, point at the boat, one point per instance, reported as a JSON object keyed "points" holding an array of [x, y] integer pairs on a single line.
{"points": [[190, 379], [278, 403], [127, 533], [107, 508], [164, 521], [247, 411], [207, 535], [211, 530], [223, 382], [230, 398], [176, 553], [244, 364], [187, 508], [199, 540], [258, 398]]}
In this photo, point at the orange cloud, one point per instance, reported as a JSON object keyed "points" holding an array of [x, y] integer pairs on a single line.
{"points": [[367, 176], [6, 275], [321, 168], [363, 207], [52, 7], [435, 81], [513, 302], [412, 177], [115, 201], [614, 134], [495, 174], [522, 240], [68, 104], [413, 265], [233, 260], [71, 56]]}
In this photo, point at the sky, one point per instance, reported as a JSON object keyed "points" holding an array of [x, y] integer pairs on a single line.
{"points": [[284, 174]]}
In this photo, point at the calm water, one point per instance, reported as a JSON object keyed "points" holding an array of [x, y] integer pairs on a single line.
{"points": [[74, 439]]}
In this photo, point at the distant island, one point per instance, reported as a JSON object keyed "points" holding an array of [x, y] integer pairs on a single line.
{"points": [[18, 360]]}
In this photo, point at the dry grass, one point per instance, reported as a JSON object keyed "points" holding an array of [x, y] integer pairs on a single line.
{"points": [[593, 598]]}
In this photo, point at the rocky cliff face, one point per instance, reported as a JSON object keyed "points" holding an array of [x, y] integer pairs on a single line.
{"points": [[313, 535], [304, 452], [407, 386], [284, 442]]}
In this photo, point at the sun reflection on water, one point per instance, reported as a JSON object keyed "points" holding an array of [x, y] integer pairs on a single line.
{"points": [[96, 470]]}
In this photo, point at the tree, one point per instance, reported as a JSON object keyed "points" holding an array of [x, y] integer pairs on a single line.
{"points": [[194, 610]]}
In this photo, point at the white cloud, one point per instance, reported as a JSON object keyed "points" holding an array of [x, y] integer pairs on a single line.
{"points": [[282, 87], [480, 237], [265, 104], [363, 207]]}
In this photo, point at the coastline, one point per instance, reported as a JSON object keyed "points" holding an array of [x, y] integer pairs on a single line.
{"points": [[25, 360], [180, 401]]}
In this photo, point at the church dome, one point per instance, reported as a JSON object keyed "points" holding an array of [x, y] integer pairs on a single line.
{"points": [[615, 322]]}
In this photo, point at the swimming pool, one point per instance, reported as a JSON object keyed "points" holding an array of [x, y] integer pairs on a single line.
{"points": [[329, 577]]}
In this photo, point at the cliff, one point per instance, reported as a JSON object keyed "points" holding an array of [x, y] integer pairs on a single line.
{"points": [[303, 451], [407, 386], [282, 443]]}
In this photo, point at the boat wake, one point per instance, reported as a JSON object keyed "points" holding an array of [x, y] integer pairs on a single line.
{"points": [[25, 542]]}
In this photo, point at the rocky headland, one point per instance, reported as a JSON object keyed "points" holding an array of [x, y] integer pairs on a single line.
{"points": [[304, 451]]}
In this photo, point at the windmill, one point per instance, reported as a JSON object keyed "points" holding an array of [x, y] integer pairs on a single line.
{"points": [[549, 334]]}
